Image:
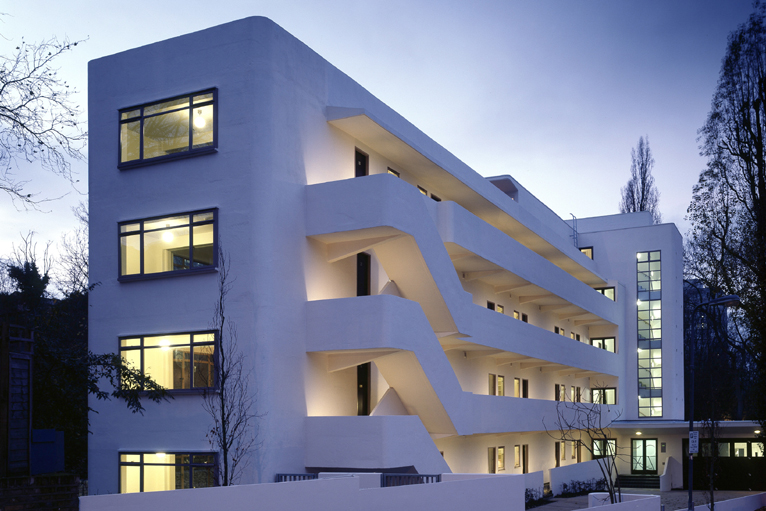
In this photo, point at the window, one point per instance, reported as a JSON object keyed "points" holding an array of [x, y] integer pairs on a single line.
{"points": [[516, 315], [525, 388], [393, 172], [556, 453], [516, 387], [605, 343], [578, 394], [175, 361], [501, 458], [516, 456], [575, 445], [169, 129], [492, 384], [604, 396], [423, 190], [524, 318], [161, 471], [604, 447], [558, 331], [649, 304], [183, 243], [436, 198], [560, 392], [499, 308], [491, 461], [588, 251], [500, 385], [490, 305], [563, 451], [606, 291]]}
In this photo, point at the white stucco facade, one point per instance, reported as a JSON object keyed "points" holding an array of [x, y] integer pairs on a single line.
{"points": [[292, 217]]}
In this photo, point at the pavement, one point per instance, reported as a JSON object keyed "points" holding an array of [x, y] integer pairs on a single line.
{"points": [[672, 500]]}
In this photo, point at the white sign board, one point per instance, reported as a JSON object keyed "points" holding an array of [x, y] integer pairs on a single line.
{"points": [[694, 442]]}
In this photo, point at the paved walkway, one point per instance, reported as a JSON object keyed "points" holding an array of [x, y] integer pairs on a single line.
{"points": [[672, 500]]}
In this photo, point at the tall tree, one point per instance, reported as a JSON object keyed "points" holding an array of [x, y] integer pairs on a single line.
{"points": [[640, 194], [38, 119], [726, 247]]}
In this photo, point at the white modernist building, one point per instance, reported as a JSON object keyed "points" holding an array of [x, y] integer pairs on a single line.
{"points": [[398, 311]]}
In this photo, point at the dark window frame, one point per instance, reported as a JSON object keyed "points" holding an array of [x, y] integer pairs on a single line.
{"points": [[191, 389], [171, 273], [651, 391], [190, 465], [603, 443], [602, 290], [141, 162], [602, 339], [592, 252], [602, 392]]}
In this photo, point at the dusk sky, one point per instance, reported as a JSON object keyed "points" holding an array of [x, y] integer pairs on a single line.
{"points": [[552, 92]]}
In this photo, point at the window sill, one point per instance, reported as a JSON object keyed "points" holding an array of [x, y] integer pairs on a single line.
{"points": [[170, 157], [166, 274]]}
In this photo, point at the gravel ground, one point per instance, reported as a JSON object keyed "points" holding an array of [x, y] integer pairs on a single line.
{"points": [[672, 500]]}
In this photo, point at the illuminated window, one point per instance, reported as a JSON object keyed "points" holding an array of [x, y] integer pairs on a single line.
{"points": [[393, 172], [423, 190], [500, 385], [492, 384], [501, 458], [604, 447], [499, 308], [649, 305], [144, 472], [175, 361], [169, 129], [605, 343], [606, 291], [604, 396], [516, 315], [516, 456], [182, 243], [492, 460], [588, 251]]}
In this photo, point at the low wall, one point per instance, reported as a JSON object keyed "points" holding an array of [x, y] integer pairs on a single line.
{"points": [[672, 477], [342, 493], [584, 471], [534, 481], [749, 503], [630, 502]]}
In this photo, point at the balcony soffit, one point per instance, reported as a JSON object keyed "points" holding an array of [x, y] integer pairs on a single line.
{"points": [[358, 123]]}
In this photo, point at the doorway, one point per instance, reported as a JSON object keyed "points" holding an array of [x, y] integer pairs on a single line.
{"points": [[643, 456]]}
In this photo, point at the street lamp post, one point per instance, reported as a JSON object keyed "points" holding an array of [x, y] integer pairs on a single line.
{"points": [[725, 301]]}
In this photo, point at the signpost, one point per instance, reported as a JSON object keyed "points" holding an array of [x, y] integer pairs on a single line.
{"points": [[694, 442]]}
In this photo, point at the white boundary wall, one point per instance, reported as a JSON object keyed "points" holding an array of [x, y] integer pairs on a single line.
{"points": [[339, 494], [630, 502], [583, 472], [749, 503]]}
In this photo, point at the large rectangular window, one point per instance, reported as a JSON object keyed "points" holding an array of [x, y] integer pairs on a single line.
{"points": [[649, 303], [604, 447], [168, 129], [604, 396], [605, 343], [180, 243], [176, 361], [161, 471]]}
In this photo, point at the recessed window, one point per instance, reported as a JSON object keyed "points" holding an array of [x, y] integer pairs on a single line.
{"points": [[490, 305], [605, 343], [516, 315], [588, 251], [394, 173], [604, 447], [499, 308], [436, 198], [501, 458], [606, 291], [524, 318], [168, 129], [516, 456], [604, 396], [175, 361], [423, 190], [500, 385], [492, 384], [182, 243], [160, 471], [491, 460]]}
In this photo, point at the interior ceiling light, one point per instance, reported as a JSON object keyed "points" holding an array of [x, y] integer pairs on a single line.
{"points": [[199, 121]]}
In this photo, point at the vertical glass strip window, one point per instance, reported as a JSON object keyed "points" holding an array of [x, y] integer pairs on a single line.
{"points": [[649, 314]]}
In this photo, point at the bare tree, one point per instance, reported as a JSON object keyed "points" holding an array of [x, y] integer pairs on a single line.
{"points": [[38, 119], [230, 403], [73, 258], [586, 425], [640, 194]]}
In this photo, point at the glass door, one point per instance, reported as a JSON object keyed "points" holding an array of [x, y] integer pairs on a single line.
{"points": [[644, 456]]}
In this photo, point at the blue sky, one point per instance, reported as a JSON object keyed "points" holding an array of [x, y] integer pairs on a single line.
{"points": [[553, 92]]}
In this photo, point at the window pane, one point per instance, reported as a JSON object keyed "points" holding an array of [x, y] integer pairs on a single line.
{"points": [[131, 114], [740, 449], [166, 340], [130, 227], [204, 337], [169, 221], [181, 368], [723, 450], [203, 127], [202, 217], [203, 97], [757, 448], [130, 141], [131, 458], [159, 478], [203, 245], [158, 364], [159, 457], [203, 477], [165, 106], [166, 134], [182, 477], [166, 250], [130, 479], [130, 342], [133, 358], [130, 255]]}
